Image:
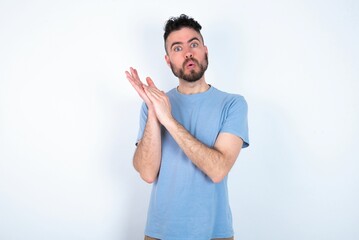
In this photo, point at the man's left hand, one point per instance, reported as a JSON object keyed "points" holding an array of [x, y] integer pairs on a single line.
{"points": [[161, 103]]}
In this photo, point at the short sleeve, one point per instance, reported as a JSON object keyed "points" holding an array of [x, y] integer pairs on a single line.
{"points": [[236, 119], [143, 120]]}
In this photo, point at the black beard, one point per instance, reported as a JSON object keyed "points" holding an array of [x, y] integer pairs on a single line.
{"points": [[193, 76]]}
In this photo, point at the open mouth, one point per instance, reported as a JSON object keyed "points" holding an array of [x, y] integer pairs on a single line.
{"points": [[190, 64]]}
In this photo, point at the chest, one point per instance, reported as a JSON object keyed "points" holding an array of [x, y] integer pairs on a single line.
{"points": [[202, 119]]}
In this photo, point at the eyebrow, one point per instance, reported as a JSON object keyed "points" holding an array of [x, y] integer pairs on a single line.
{"points": [[194, 38]]}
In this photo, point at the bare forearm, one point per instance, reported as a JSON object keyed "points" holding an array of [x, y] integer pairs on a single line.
{"points": [[209, 160], [147, 157], [214, 162]]}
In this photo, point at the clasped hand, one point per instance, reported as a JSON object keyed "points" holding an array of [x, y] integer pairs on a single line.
{"points": [[156, 100]]}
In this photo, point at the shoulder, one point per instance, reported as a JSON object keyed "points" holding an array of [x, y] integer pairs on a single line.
{"points": [[230, 98]]}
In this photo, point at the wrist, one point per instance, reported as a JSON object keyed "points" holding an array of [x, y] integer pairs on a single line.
{"points": [[151, 116], [170, 123]]}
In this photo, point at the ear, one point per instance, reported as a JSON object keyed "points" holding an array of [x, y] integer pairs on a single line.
{"points": [[167, 58], [206, 49]]}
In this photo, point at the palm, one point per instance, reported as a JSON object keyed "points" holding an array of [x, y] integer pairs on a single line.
{"points": [[138, 85]]}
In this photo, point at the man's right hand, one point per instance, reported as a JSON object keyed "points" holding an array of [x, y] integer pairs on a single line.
{"points": [[138, 85], [147, 157]]}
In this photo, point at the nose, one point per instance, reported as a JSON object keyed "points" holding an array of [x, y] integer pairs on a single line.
{"points": [[189, 55]]}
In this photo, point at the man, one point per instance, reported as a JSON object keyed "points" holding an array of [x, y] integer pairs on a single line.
{"points": [[188, 141]]}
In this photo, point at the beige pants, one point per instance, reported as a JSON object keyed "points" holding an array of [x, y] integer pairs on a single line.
{"points": [[231, 238]]}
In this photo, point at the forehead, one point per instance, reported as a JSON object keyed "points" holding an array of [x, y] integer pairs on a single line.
{"points": [[183, 35]]}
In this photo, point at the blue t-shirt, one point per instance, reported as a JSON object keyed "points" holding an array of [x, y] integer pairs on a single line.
{"points": [[185, 204]]}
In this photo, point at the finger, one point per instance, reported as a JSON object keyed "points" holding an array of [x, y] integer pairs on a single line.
{"points": [[153, 93], [156, 90], [137, 85], [133, 82], [134, 79], [149, 92], [150, 82], [135, 74], [129, 76]]}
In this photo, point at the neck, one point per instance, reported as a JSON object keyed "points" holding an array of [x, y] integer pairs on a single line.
{"points": [[192, 87]]}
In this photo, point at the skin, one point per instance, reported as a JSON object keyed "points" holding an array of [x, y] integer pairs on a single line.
{"points": [[215, 162]]}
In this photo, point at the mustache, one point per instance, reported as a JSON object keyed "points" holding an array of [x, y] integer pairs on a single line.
{"points": [[190, 59]]}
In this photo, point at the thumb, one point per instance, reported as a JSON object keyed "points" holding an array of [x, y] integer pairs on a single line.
{"points": [[150, 82]]}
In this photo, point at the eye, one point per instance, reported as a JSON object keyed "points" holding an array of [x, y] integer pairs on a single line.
{"points": [[177, 48], [194, 44]]}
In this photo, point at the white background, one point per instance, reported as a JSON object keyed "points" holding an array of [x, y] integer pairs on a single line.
{"points": [[69, 118]]}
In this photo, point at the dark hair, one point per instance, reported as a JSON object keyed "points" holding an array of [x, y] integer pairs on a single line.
{"points": [[177, 23]]}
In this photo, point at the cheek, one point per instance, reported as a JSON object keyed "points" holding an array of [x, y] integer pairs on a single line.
{"points": [[203, 56], [175, 60]]}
